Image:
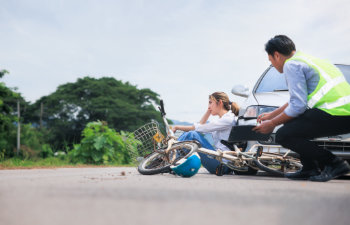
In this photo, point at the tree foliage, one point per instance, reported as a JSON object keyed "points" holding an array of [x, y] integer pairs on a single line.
{"points": [[8, 119], [73, 105]]}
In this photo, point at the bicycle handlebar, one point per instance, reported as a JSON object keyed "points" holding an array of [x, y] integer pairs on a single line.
{"points": [[161, 108], [162, 112]]}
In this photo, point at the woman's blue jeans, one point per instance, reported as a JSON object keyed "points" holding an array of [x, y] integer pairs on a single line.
{"points": [[208, 163]]}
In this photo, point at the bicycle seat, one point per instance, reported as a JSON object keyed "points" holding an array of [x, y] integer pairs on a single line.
{"points": [[230, 144]]}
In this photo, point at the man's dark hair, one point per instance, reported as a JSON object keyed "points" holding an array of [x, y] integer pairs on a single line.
{"points": [[281, 44]]}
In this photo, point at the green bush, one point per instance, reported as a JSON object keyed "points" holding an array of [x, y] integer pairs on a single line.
{"points": [[33, 143], [46, 151], [102, 145]]}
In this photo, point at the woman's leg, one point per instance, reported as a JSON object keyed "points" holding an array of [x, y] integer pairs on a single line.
{"points": [[208, 163]]}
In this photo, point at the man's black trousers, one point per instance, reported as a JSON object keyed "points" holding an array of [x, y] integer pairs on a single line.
{"points": [[297, 133]]}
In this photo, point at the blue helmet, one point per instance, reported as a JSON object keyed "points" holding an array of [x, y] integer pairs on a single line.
{"points": [[187, 167]]}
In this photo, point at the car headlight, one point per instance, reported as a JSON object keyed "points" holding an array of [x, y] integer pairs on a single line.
{"points": [[270, 141], [254, 111]]}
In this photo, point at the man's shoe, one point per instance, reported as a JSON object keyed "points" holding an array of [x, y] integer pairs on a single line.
{"points": [[302, 174], [336, 169]]}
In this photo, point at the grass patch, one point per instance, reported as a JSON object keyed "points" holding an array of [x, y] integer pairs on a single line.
{"points": [[51, 162]]}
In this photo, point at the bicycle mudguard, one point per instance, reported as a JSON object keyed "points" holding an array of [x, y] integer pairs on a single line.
{"points": [[246, 133]]}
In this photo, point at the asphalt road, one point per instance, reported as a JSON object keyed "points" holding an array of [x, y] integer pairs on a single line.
{"points": [[82, 196]]}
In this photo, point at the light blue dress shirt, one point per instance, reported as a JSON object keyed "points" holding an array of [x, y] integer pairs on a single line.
{"points": [[301, 80]]}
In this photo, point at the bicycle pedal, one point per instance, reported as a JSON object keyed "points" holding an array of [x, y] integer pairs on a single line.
{"points": [[259, 151], [219, 170]]}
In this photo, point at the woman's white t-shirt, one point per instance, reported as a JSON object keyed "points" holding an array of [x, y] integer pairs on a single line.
{"points": [[219, 128]]}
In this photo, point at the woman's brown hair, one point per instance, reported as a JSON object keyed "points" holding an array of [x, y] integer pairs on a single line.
{"points": [[233, 106]]}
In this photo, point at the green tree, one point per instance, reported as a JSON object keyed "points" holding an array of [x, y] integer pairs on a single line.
{"points": [[8, 116], [7, 119], [73, 105]]}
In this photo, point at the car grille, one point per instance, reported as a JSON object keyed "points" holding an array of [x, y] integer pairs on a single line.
{"points": [[270, 141], [334, 145]]}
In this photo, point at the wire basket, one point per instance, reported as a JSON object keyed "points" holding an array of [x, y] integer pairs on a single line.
{"points": [[146, 139]]}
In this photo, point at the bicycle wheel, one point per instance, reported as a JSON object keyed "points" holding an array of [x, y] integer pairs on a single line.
{"points": [[160, 162], [277, 164], [153, 164]]}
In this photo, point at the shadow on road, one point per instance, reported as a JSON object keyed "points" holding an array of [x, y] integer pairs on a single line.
{"points": [[262, 176]]}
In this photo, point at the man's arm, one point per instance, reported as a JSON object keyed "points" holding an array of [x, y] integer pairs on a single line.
{"points": [[271, 115], [268, 125], [297, 86]]}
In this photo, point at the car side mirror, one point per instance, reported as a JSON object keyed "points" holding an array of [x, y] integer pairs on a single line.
{"points": [[240, 90]]}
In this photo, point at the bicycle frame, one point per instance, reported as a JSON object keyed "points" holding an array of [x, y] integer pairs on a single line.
{"points": [[240, 158], [218, 154], [236, 160]]}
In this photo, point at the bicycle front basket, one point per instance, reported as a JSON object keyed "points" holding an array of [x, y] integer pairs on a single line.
{"points": [[148, 139]]}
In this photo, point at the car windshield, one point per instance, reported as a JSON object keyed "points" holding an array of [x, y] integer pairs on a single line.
{"points": [[275, 81], [272, 81], [345, 69]]}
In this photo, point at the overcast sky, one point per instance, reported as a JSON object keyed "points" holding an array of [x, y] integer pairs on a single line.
{"points": [[182, 49]]}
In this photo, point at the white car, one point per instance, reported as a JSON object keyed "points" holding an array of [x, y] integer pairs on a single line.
{"points": [[271, 92]]}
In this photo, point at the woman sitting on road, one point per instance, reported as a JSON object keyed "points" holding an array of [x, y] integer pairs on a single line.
{"points": [[219, 105]]}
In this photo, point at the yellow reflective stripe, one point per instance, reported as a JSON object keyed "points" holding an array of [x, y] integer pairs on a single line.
{"points": [[322, 72], [324, 90], [340, 102]]}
